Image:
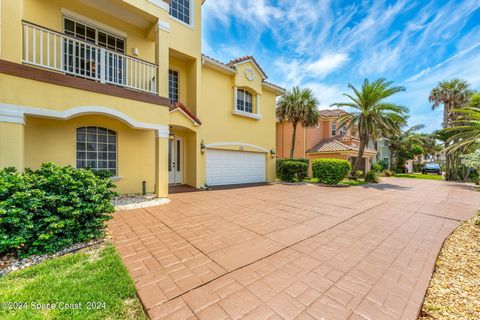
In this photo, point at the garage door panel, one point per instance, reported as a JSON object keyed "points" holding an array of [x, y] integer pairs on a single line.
{"points": [[235, 167]]}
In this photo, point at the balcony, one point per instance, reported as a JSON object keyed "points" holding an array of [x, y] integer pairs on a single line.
{"points": [[65, 54]]}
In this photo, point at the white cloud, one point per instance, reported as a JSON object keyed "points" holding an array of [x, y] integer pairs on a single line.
{"points": [[326, 94], [327, 64]]}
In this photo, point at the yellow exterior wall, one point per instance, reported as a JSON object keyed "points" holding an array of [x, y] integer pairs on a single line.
{"points": [[208, 93], [48, 140], [219, 124], [48, 96], [11, 145], [48, 14]]}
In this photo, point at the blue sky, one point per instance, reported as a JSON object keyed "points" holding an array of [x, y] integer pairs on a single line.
{"points": [[324, 44]]}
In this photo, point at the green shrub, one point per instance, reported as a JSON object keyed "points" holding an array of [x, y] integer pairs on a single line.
{"points": [[387, 173], [377, 167], [417, 167], [51, 208], [291, 170], [330, 171], [359, 173], [372, 177]]}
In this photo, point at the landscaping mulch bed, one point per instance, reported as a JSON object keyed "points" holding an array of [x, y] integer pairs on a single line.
{"points": [[454, 291]]}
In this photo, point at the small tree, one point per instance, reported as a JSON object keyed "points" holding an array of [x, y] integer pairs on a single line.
{"points": [[298, 106]]}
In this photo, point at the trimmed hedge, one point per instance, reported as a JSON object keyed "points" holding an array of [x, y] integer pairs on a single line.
{"points": [[291, 170], [330, 171], [46, 210]]}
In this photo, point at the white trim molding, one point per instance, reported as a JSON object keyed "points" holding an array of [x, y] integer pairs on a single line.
{"points": [[161, 4], [21, 111], [217, 65], [240, 144], [163, 25], [247, 114], [12, 116]]}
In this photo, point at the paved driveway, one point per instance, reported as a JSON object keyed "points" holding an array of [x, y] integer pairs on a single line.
{"points": [[291, 252]]}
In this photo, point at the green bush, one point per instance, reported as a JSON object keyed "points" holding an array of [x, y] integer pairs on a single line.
{"points": [[417, 167], [377, 167], [372, 177], [330, 171], [291, 170], [359, 173], [387, 173], [51, 208]]}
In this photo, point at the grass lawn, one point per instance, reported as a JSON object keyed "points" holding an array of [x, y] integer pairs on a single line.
{"points": [[347, 182], [94, 283], [419, 176]]}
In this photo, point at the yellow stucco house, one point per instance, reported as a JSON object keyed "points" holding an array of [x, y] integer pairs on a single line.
{"points": [[122, 85]]}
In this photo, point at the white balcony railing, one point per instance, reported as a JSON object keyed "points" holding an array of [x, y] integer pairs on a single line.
{"points": [[59, 52]]}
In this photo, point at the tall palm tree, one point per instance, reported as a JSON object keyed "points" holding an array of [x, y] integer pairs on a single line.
{"points": [[371, 114], [453, 94], [298, 106]]}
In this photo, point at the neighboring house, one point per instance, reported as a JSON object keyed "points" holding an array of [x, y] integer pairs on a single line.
{"points": [[383, 151], [123, 86], [326, 140]]}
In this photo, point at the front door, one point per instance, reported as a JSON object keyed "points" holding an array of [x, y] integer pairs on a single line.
{"points": [[175, 161]]}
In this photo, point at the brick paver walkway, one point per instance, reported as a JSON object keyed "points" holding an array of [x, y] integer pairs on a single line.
{"points": [[291, 252]]}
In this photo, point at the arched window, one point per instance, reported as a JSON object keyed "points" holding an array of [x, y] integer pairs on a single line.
{"points": [[334, 129], [244, 101], [97, 149], [343, 130]]}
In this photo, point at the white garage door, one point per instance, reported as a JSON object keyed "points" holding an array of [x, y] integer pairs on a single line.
{"points": [[235, 167]]}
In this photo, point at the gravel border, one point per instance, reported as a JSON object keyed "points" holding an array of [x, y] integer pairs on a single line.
{"points": [[9, 263], [127, 202], [454, 290]]}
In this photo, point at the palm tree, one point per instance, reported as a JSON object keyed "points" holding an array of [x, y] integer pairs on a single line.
{"points": [[465, 132], [453, 94], [298, 106], [403, 140], [371, 115]]}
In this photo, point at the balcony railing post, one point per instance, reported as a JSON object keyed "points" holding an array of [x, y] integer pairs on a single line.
{"points": [[103, 65]]}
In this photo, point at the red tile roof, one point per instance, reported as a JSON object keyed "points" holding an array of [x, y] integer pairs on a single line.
{"points": [[333, 113], [334, 144], [235, 61], [181, 106]]}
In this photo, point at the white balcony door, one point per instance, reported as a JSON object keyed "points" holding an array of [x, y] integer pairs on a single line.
{"points": [[175, 161]]}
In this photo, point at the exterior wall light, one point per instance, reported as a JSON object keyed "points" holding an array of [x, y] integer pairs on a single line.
{"points": [[203, 147], [171, 136], [272, 153]]}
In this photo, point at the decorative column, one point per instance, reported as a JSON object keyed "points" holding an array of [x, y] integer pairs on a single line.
{"points": [[11, 31], [161, 163], [12, 153], [162, 58]]}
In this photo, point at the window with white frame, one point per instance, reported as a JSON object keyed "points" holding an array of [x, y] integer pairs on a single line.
{"points": [[84, 60], [334, 129], [343, 130], [173, 86], [180, 9], [244, 101], [97, 149]]}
